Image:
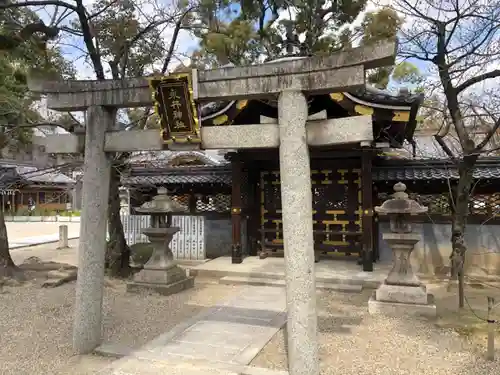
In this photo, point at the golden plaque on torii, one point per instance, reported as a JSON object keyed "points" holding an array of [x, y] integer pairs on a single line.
{"points": [[176, 108]]}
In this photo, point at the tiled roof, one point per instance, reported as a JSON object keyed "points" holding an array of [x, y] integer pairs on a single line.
{"points": [[177, 179], [430, 162], [178, 175], [33, 174], [426, 147], [373, 95], [165, 158], [47, 176], [8, 177], [380, 173], [430, 173]]}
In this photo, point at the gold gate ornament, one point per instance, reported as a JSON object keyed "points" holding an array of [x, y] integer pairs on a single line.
{"points": [[175, 106]]}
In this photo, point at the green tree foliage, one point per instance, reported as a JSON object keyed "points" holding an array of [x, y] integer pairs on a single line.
{"points": [[376, 26], [129, 46], [143, 118], [14, 106], [23, 50], [24, 55], [256, 32], [406, 72], [384, 24]]}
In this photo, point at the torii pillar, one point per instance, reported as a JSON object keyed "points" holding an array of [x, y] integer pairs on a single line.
{"points": [[296, 198], [87, 329]]}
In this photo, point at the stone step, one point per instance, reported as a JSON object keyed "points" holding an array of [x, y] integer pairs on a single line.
{"points": [[145, 365], [367, 280], [113, 350], [148, 366], [260, 281]]}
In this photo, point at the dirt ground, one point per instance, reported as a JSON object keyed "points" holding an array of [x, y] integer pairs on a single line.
{"points": [[36, 323], [352, 342], [470, 321], [48, 253]]}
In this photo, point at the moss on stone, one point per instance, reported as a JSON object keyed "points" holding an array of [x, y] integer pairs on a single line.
{"points": [[141, 252]]}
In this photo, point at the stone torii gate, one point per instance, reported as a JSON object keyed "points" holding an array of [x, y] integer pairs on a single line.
{"points": [[291, 81]]}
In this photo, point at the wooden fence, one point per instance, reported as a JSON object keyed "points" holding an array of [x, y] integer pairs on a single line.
{"points": [[189, 243]]}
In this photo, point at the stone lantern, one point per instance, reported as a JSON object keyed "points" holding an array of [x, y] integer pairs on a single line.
{"points": [[161, 273], [402, 292]]}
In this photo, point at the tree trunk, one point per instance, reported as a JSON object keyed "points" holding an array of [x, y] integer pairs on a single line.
{"points": [[118, 252], [7, 267], [459, 222]]}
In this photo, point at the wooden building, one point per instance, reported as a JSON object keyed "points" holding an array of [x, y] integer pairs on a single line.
{"points": [[428, 176], [198, 182], [431, 177], [347, 181], [343, 195], [48, 188]]}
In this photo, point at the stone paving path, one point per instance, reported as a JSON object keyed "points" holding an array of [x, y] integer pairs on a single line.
{"points": [[37, 232], [229, 334], [38, 240]]}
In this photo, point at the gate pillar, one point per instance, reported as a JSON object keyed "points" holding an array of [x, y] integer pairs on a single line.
{"points": [[296, 197]]}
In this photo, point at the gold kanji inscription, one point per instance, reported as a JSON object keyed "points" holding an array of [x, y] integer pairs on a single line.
{"points": [[179, 124], [173, 95], [176, 104]]}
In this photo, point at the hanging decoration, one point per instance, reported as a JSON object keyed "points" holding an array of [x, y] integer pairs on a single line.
{"points": [[175, 106]]}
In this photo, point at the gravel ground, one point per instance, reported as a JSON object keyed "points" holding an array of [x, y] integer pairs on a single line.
{"points": [[353, 342], [36, 324]]}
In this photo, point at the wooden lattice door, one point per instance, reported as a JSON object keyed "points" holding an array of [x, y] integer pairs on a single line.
{"points": [[336, 210], [270, 210]]}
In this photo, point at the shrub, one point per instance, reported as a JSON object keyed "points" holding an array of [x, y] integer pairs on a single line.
{"points": [[141, 252], [22, 212]]}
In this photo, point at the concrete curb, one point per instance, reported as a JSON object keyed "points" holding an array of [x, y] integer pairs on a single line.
{"points": [[18, 247], [257, 281]]}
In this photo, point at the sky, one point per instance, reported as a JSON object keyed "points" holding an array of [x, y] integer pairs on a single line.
{"points": [[74, 49]]}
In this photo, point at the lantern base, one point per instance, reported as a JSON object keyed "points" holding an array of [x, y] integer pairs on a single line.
{"points": [[416, 295], [165, 282], [165, 290], [397, 309]]}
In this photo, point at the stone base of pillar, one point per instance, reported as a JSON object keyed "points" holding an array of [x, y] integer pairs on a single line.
{"points": [[397, 300], [236, 254], [163, 281], [367, 263]]}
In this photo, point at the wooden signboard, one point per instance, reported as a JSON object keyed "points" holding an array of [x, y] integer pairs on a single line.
{"points": [[175, 106]]}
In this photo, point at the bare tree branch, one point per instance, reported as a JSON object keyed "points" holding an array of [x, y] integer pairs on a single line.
{"points": [[491, 132], [173, 42], [101, 11], [38, 3], [439, 139], [477, 79]]}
